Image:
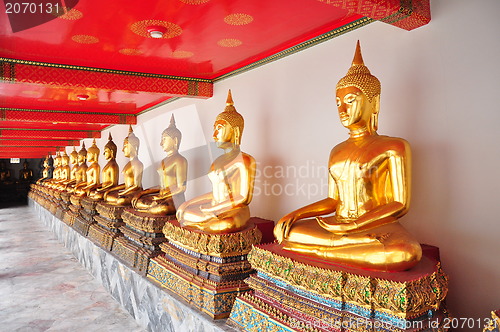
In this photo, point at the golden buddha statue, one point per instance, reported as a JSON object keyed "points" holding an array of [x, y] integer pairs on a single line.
{"points": [[369, 190], [225, 209], [25, 173], [109, 172], [81, 171], [132, 173], [92, 174], [63, 172], [5, 173], [57, 168], [47, 169], [173, 176]]}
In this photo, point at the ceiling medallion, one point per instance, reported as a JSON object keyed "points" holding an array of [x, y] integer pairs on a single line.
{"points": [[238, 19], [142, 28], [72, 15], [181, 54], [229, 42], [130, 51], [85, 39], [194, 2]]}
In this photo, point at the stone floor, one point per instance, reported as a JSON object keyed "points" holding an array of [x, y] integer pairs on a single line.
{"points": [[44, 288]]}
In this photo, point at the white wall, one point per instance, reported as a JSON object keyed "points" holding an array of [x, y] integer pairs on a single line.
{"points": [[439, 91]]}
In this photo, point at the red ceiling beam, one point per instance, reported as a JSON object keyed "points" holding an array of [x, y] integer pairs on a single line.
{"points": [[23, 115], [21, 71], [27, 142], [49, 134], [26, 155], [24, 149], [405, 14]]}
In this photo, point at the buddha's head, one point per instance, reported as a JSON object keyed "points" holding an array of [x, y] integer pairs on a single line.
{"points": [[73, 157], [171, 137], [110, 149], [64, 158], [358, 96], [228, 126], [130, 144], [82, 154], [93, 152], [25, 164]]}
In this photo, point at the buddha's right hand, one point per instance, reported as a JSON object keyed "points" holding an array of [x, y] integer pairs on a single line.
{"points": [[282, 228]]}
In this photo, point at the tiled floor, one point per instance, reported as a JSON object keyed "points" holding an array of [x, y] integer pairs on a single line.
{"points": [[44, 288]]}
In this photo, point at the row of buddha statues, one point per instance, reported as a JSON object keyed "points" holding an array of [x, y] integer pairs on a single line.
{"points": [[356, 226]]}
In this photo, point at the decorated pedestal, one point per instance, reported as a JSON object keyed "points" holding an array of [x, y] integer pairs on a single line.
{"points": [[292, 292], [142, 238], [206, 270], [86, 216], [74, 210], [108, 223]]}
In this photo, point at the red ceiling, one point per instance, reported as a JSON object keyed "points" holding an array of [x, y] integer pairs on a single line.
{"points": [[102, 49]]}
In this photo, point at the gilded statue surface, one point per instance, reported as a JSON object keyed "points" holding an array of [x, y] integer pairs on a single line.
{"points": [[81, 170], [369, 186], [132, 173], [173, 176], [109, 174], [63, 172], [225, 209], [47, 169], [92, 174]]}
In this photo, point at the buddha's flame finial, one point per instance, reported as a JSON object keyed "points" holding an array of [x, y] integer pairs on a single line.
{"points": [[359, 76], [83, 145], [93, 142], [172, 121], [109, 137], [229, 100], [130, 130], [358, 58]]}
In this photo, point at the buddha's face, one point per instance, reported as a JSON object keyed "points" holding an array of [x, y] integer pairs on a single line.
{"points": [[223, 133], [73, 158], [354, 108], [168, 143], [91, 156], [127, 148], [108, 154], [81, 158], [64, 161]]}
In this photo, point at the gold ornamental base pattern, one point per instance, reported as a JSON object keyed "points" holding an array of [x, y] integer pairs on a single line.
{"points": [[404, 295], [218, 245], [215, 299], [82, 226], [133, 255], [109, 211], [233, 268], [102, 236], [145, 222]]}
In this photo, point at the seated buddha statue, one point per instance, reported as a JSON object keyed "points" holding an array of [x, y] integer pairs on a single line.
{"points": [[368, 190], [47, 169], [56, 173], [73, 159], [132, 173], [109, 174], [225, 209], [25, 173], [64, 172], [81, 170], [92, 174], [173, 175]]}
